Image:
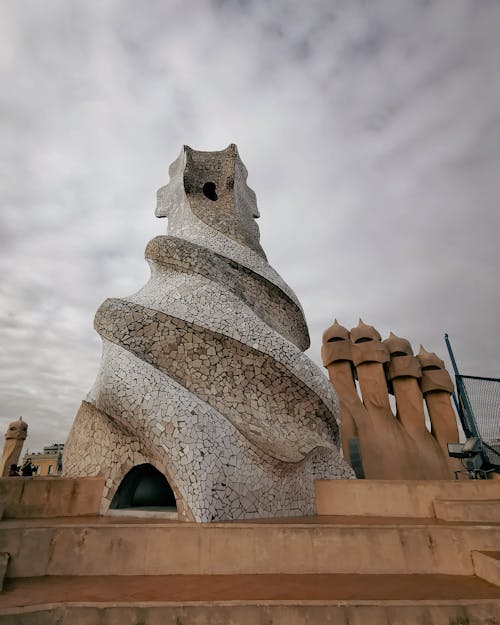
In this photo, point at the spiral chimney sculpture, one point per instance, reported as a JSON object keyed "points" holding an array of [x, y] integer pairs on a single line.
{"points": [[203, 375]]}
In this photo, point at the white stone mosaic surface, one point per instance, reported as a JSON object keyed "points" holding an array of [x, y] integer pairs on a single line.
{"points": [[203, 374]]}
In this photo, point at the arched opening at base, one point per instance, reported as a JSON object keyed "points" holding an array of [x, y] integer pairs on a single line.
{"points": [[144, 487]]}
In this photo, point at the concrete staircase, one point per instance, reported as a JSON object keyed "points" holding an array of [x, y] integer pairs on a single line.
{"points": [[356, 563]]}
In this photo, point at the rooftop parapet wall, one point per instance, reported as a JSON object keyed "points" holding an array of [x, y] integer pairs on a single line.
{"points": [[39, 497], [398, 498]]}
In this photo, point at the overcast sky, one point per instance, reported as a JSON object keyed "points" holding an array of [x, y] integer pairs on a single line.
{"points": [[370, 130]]}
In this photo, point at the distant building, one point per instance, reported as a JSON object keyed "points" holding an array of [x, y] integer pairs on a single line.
{"points": [[48, 461]]}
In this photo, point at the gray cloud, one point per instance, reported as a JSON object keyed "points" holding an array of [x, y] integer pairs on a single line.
{"points": [[371, 132]]}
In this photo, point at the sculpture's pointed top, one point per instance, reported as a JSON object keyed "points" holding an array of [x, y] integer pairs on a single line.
{"points": [[17, 429], [335, 332], [365, 332], [398, 346], [209, 190], [429, 360], [232, 147]]}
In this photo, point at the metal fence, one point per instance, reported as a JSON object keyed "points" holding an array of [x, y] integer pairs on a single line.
{"points": [[479, 402]]}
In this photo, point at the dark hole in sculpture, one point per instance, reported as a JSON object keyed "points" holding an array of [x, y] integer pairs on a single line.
{"points": [[209, 191], [144, 487]]}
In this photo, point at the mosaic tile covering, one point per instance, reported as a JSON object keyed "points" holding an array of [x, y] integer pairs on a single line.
{"points": [[202, 373]]}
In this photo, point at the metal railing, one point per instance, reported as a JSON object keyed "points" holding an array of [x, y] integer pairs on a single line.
{"points": [[478, 406]]}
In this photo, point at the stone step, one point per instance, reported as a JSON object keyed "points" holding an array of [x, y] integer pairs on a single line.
{"points": [[479, 510], [487, 565], [111, 546], [4, 560], [250, 600]]}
